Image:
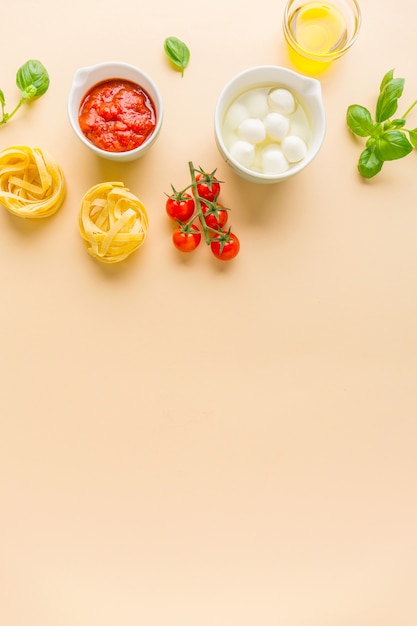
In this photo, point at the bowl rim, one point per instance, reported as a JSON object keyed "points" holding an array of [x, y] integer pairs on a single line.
{"points": [[319, 110], [74, 100]]}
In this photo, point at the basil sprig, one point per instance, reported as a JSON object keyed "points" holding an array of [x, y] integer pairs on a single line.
{"points": [[177, 52], [33, 81], [388, 139]]}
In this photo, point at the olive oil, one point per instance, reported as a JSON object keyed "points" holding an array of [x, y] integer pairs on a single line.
{"points": [[319, 28]]}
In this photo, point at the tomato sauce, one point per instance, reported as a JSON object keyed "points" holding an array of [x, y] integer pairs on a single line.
{"points": [[117, 115]]}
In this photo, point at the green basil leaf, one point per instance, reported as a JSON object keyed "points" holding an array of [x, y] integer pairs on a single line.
{"points": [[413, 137], [30, 92], [2, 99], [32, 79], [369, 165], [178, 53], [392, 145], [387, 78], [359, 120], [378, 130], [387, 102], [398, 123]]}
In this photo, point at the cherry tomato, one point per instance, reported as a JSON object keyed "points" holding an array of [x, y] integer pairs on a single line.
{"points": [[187, 239], [215, 217], [208, 186], [226, 246], [180, 207]]}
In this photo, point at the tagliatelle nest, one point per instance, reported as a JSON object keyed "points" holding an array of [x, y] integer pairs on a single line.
{"points": [[31, 182], [112, 221]]}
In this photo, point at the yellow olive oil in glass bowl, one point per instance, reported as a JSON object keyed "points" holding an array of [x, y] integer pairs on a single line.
{"points": [[318, 33]]}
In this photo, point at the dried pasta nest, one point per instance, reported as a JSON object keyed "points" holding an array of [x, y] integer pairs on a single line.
{"points": [[31, 182], [112, 221]]}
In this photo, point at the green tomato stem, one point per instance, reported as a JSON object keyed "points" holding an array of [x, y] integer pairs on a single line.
{"points": [[198, 203]]}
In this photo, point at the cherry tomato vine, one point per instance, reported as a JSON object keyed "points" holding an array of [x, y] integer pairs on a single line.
{"points": [[199, 215]]}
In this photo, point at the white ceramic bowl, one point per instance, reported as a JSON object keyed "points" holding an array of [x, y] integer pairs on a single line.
{"points": [[306, 90], [86, 77]]}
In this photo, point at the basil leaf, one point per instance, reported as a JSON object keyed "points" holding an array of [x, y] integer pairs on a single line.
{"points": [[392, 145], [359, 120], [2, 99], [413, 137], [32, 79], [378, 130], [387, 102], [387, 139], [387, 78], [398, 123], [178, 53], [369, 165]]}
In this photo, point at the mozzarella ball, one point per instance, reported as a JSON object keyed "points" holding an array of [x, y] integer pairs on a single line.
{"points": [[282, 101], [243, 152], [256, 103], [273, 160], [236, 113], [294, 148], [276, 126], [252, 130]]}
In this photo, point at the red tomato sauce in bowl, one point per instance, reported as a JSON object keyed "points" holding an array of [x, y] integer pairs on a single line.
{"points": [[117, 115]]}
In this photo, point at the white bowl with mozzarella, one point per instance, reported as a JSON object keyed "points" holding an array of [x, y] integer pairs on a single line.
{"points": [[269, 123]]}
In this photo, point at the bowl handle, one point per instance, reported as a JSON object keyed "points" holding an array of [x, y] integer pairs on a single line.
{"points": [[80, 77], [311, 87]]}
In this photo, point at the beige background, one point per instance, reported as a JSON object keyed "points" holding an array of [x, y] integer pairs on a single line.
{"points": [[191, 443]]}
